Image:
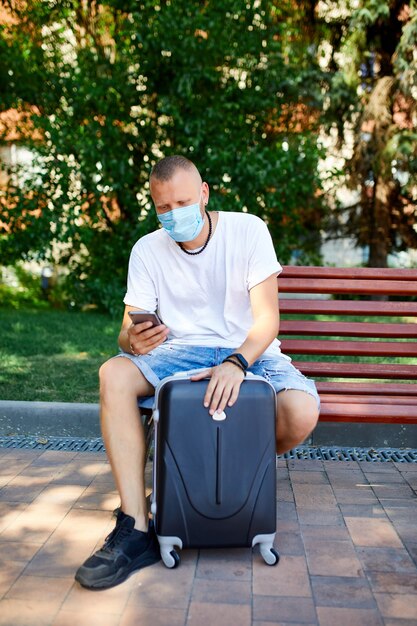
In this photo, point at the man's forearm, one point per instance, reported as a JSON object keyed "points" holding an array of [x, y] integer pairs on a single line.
{"points": [[260, 336]]}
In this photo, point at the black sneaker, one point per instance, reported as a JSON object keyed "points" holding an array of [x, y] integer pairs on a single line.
{"points": [[124, 551]]}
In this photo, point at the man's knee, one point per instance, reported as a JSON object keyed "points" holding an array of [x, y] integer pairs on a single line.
{"points": [[121, 376], [297, 416]]}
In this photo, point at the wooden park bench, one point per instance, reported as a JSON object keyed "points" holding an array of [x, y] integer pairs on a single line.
{"points": [[334, 329]]}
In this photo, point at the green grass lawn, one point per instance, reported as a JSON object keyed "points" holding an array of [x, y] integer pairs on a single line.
{"points": [[49, 355]]}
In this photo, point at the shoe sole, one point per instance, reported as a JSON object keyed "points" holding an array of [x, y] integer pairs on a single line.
{"points": [[121, 575]]}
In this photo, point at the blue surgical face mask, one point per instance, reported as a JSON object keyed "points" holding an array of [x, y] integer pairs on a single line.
{"points": [[184, 223]]}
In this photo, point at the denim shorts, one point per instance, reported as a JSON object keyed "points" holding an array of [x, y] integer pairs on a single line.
{"points": [[170, 358]]}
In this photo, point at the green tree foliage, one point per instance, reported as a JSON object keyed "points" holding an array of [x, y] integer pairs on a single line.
{"points": [[112, 86], [374, 86]]}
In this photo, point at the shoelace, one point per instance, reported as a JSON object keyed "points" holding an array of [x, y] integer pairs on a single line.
{"points": [[116, 536]]}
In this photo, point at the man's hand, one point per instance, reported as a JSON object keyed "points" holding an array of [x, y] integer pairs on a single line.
{"points": [[144, 337], [223, 388]]}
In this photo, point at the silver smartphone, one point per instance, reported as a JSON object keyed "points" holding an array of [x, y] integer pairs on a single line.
{"points": [[138, 317]]}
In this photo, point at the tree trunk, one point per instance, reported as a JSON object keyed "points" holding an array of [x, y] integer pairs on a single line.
{"points": [[379, 240]]}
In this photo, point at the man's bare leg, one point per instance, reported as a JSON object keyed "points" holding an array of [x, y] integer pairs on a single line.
{"points": [[132, 544], [121, 383], [297, 415]]}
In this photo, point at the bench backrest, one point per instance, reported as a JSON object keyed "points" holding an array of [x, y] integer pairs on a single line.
{"points": [[363, 354]]}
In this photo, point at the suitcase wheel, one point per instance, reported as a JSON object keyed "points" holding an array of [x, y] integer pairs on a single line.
{"points": [[270, 555], [171, 559]]}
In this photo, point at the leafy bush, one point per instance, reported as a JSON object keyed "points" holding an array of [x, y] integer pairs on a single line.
{"points": [[110, 89]]}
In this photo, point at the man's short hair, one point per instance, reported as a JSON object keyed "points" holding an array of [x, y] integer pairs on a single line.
{"points": [[166, 167]]}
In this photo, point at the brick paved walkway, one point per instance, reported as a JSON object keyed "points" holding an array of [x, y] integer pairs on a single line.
{"points": [[347, 534]]}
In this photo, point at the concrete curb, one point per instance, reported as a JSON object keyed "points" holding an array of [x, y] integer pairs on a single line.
{"points": [[75, 419], [65, 419]]}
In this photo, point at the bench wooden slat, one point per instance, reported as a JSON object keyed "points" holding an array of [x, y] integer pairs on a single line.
{"points": [[373, 273], [358, 370], [368, 413], [346, 286], [347, 307], [347, 329], [331, 398], [345, 388], [349, 348]]}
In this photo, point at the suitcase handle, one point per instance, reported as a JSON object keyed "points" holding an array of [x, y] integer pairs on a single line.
{"points": [[189, 373]]}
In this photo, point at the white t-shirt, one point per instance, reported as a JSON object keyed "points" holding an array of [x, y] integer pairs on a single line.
{"points": [[204, 299]]}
